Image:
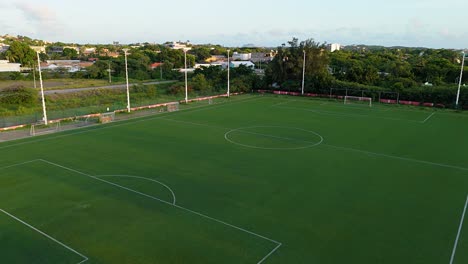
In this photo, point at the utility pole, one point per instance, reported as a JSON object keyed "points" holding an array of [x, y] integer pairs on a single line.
{"points": [[228, 69], [460, 81], [42, 90], [126, 77]]}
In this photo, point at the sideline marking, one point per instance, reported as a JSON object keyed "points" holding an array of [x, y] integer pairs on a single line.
{"points": [[459, 231], [144, 178], [278, 244], [46, 235], [346, 115], [118, 123], [313, 144], [398, 157], [427, 118]]}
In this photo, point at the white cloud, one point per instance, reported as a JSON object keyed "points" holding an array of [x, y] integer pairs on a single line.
{"points": [[40, 18]]}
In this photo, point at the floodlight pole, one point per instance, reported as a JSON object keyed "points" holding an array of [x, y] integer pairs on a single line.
{"points": [[34, 75], [110, 78], [228, 69], [303, 71], [460, 81], [126, 77], [186, 86], [42, 89]]}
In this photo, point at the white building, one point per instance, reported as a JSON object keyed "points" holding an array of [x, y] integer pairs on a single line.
{"points": [[335, 46], [40, 49], [241, 56], [6, 66], [4, 47], [179, 45]]}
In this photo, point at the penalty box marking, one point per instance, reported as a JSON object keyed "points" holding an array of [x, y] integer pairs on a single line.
{"points": [[277, 244], [47, 236]]}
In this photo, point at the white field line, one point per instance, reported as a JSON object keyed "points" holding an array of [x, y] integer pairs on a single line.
{"points": [[427, 118], [399, 158], [344, 148], [175, 205], [346, 115], [18, 164], [46, 235], [144, 178], [283, 103], [269, 254], [452, 258], [129, 121]]}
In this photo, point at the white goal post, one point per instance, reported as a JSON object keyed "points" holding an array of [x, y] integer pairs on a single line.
{"points": [[358, 99], [106, 117], [171, 107], [40, 128]]}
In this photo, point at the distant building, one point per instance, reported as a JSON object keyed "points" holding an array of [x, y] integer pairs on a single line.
{"points": [[241, 56], [89, 51], [178, 45], [335, 46], [108, 53], [156, 65], [4, 47], [215, 58], [40, 49], [262, 57], [6, 66], [67, 65], [55, 49]]}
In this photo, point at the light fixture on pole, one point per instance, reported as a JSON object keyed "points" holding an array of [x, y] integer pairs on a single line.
{"points": [[228, 68], [303, 71], [42, 89], [126, 77], [460, 79], [186, 86]]}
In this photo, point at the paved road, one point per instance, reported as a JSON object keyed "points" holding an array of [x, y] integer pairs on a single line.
{"points": [[117, 86]]}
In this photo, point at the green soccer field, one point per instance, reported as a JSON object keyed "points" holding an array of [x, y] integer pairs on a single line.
{"points": [[254, 179]]}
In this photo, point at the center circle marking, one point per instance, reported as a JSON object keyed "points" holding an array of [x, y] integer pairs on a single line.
{"points": [[244, 129]]}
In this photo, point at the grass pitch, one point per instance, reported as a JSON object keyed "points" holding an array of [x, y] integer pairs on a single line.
{"points": [[256, 179]]}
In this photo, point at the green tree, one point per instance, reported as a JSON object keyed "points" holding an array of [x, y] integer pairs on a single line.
{"points": [[20, 52], [70, 54]]}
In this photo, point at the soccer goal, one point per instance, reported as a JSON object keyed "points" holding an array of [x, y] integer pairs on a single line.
{"points": [[171, 107], [41, 128], [106, 117], [358, 100]]}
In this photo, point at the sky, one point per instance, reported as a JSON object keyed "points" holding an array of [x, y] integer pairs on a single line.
{"points": [[415, 23]]}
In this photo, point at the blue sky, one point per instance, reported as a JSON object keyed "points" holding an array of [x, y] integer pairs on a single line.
{"points": [[428, 23]]}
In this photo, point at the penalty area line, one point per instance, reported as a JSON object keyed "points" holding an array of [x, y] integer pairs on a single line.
{"points": [[452, 258], [46, 235], [278, 244], [427, 118]]}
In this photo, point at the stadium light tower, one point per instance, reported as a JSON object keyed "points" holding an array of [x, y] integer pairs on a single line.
{"points": [[460, 79], [185, 63], [228, 68], [126, 77], [42, 89], [303, 71]]}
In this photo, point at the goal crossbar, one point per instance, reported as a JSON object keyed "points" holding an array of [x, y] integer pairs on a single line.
{"points": [[359, 99]]}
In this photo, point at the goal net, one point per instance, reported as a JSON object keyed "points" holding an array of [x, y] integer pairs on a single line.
{"points": [[358, 100], [41, 128], [106, 117], [173, 107]]}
